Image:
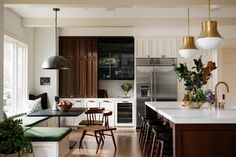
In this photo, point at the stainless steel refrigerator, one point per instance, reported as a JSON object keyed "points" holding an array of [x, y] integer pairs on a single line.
{"points": [[156, 80]]}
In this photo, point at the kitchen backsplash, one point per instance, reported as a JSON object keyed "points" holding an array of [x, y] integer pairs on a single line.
{"points": [[113, 87]]}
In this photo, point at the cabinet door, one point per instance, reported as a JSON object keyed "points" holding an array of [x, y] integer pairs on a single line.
{"points": [[92, 69], [91, 103], [170, 47], [156, 47], [81, 79], [80, 66], [142, 47], [67, 77], [79, 103], [109, 105]]}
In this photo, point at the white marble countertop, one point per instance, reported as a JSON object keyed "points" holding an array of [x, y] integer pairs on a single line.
{"points": [[178, 114]]}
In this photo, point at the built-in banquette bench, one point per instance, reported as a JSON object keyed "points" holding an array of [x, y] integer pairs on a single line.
{"points": [[48, 141]]}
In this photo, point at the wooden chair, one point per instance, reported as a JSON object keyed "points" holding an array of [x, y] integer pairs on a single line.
{"points": [[93, 116], [99, 131]]}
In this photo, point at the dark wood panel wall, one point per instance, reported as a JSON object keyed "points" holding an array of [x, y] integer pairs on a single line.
{"points": [[80, 81]]}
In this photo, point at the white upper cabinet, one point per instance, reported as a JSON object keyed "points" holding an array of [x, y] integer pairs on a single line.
{"points": [[142, 47], [156, 47]]}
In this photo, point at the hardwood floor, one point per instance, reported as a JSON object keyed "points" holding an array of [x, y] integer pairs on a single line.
{"points": [[126, 140]]}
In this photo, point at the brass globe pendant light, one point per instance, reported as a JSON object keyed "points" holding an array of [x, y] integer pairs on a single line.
{"points": [[189, 48], [56, 62], [209, 38]]}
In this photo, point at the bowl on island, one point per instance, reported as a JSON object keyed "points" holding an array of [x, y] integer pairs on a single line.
{"points": [[64, 106]]}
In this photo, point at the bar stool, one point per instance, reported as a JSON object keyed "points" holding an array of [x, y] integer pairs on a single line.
{"points": [[149, 136], [145, 119], [161, 143], [145, 129]]}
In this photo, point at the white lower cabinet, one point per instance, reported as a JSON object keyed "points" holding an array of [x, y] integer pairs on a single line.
{"points": [[91, 103], [109, 105], [124, 113], [73, 121]]}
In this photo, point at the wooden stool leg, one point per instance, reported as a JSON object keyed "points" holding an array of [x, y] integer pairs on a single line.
{"points": [[82, 137], [146, 139], [99, 142], [153, 145], [162, 148], [141, 133], [144, 136], [113, 139], [96, 137]]}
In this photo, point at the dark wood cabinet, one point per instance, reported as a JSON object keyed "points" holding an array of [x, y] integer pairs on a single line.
{"points": [[80, 80]]}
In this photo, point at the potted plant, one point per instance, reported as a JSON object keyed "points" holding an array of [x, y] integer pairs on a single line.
{"points": [[126, 87], [12, 140], [194, 80]]}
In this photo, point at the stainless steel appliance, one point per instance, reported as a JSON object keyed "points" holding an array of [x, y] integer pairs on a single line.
{"points": [[156, 80]]}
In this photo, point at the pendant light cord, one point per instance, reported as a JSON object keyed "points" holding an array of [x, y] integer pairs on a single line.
{"points": [[188, 22], [209, 9], [56, 36]]}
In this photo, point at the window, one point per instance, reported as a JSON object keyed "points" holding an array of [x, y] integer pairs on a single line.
{"points": [[15, 76]]}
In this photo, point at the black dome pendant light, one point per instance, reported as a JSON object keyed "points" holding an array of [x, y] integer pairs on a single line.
{"points": [[57, 61]]}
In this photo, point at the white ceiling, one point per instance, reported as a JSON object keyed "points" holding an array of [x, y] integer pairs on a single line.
{"points": [[85, 12], [74, 13]]}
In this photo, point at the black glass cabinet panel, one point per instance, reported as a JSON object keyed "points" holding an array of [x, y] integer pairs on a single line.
{"points": [[116, 58]]}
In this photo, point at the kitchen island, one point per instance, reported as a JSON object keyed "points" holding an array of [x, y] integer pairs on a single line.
{"points": [[204, 132]]}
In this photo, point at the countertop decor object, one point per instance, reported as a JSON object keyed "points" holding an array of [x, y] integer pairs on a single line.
{"points": [[12, 140], [64, 106], [56, 62], [194, 80], [126, 87]]}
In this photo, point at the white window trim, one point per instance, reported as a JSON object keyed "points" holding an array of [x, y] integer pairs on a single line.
{"points": [[25, 82]]}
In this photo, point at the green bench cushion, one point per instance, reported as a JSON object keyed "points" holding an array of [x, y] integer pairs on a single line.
{"points": [[49, 134], [30, 121]]}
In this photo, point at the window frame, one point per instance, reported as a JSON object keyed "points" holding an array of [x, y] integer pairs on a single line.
{"points": [[17, 44]]}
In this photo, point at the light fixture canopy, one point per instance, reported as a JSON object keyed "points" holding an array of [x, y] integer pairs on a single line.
{"points": [[209, 38], [189, 49], [56, 62]]}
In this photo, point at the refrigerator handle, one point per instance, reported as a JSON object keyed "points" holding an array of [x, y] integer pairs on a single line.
{"points": [[155, 86], [151, 86]]}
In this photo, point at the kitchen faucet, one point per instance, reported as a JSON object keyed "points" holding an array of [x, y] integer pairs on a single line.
{"points": [[216, 86]]}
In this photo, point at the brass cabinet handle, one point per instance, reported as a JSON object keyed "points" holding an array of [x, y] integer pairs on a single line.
{"points": [[106, 101], [125, 101], [91, 101], [78, 101]]}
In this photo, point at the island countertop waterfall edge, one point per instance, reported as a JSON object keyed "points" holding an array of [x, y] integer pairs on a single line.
{"points": [[205, 132]]}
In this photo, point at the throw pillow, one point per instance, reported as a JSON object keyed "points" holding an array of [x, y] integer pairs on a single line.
{"points": [[44, 99], [34, 105]]}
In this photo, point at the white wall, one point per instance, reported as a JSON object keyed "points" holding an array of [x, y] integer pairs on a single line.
{"points": [[44, 47], [14, 28], [1, 58], [113, 87]]}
